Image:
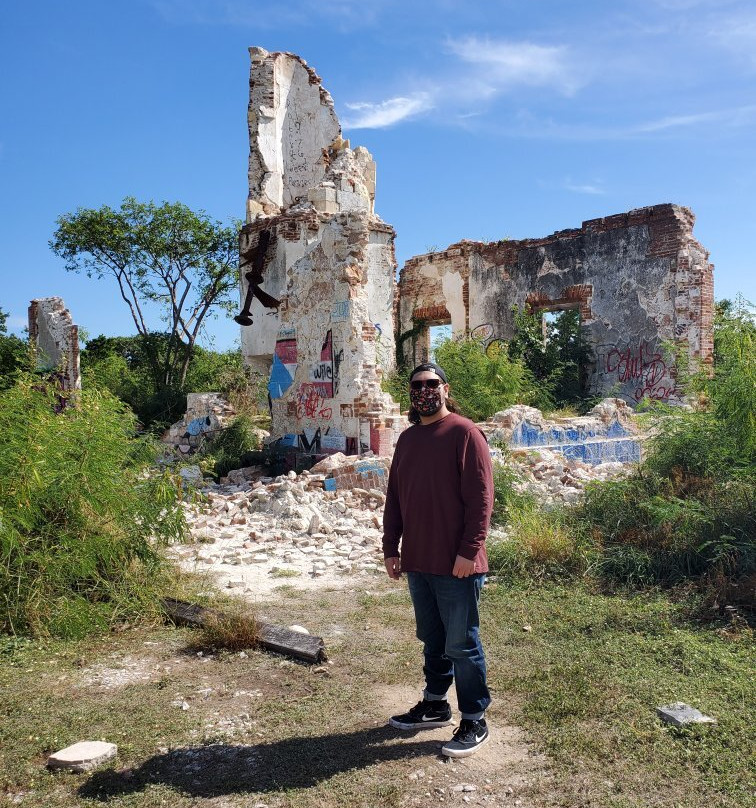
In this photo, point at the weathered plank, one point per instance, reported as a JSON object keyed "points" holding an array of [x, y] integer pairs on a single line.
{"points": [[279, 639]]}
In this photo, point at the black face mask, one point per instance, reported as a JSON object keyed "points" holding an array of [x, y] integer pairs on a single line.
{"points": [[427, 401]]}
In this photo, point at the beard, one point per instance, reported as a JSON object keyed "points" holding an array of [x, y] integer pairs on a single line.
{"points": [[427, 402]]}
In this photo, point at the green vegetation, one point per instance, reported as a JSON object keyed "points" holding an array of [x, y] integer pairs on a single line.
{"points": [[482, 382], [588, 675], [14, 354], [689, 510], [584, 681], [556, 354], [544, 366], [233, 447], [81, 514], [165, 255], [121, 365]]}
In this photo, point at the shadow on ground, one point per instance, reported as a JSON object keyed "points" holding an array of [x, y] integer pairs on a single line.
{"points": [[223, 769]]}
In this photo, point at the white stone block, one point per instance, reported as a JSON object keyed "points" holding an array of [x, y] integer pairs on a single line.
{"points": [[82, 756]]}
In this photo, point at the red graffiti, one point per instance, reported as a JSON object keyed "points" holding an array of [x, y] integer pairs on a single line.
{"points": [[310, 403], [648, 369]]}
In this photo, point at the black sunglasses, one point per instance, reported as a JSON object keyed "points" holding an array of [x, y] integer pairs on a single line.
{"points": [[430, 383]]}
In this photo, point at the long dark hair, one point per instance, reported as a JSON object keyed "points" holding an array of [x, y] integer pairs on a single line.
{"points": [[414, 416]]}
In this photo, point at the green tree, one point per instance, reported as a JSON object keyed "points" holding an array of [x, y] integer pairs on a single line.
{"points": [[167, 254], [556, 353], [14, 354]]}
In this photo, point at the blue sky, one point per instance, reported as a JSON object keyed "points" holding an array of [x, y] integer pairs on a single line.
{"points": [[488, 119]]}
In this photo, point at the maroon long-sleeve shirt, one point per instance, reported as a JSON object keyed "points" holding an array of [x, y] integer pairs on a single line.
{"points": [[439, 498]]}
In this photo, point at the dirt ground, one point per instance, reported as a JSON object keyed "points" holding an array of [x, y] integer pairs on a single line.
{"points": [[255, 729]]}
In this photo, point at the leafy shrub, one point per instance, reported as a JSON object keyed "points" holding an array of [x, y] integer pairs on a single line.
{"points": [[482, 382], [80, 514], [233, 447]]}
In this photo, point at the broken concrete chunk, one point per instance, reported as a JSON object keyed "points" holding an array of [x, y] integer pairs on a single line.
{"points": [[679, 714], [82, 756]]}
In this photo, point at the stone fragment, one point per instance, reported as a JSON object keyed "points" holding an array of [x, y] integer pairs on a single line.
{"points": [[82, 756], [679, 714]]}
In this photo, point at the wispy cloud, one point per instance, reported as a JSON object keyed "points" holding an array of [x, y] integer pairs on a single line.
{"points": [[387, 113], [736, 116], [592, 188], [506, 64], [492, 68], [736, 33]]}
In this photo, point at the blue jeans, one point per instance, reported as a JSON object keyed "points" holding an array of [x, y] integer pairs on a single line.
{"points": [[446, 613]]}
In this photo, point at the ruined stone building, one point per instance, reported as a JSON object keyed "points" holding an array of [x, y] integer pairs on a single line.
{"points": [[322, 312], [317, 268], [640, 281]]}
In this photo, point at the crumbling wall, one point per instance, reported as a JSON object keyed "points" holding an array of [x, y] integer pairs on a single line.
{"points": [[56, 340], [640, 281], [320, 266], [206, 415]]}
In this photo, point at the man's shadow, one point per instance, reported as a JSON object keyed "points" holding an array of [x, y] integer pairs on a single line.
{"points": [[222, 769]]}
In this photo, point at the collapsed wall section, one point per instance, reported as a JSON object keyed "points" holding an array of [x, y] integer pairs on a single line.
{"points": [[640, 281], [317, 267], [55, 339]]}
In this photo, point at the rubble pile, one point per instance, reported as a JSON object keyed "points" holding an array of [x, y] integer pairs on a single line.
{"points": [[206, 414], [253, 533], [556, 480], [289, 526]]}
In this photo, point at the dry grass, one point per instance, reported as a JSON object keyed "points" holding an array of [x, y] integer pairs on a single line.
{"points": [[232, 631]]}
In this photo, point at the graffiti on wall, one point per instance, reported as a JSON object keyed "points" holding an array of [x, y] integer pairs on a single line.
{"points": [[315, 441], [340, 311], [325, 373], [311, 403], [197, 426], [284, 363], [645, 368], [485, 333]]}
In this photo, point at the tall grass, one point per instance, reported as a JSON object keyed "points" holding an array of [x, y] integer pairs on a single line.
{"points": [[80, 513], [690, 511]]}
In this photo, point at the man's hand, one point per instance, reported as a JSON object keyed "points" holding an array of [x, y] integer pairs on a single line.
{"points": [[463, 567], [393, 568]]}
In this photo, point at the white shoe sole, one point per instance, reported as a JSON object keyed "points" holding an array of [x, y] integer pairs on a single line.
{"points": [[424, 725], [462, 753]]}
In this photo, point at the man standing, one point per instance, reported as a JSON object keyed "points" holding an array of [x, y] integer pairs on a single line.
{"points": [[439, 502]]}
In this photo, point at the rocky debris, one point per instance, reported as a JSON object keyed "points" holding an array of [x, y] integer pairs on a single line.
{"points": [[253, 532], [206, 415], [82, 756], [679, 714], [253, 536], [242, 475], [556, 480]]}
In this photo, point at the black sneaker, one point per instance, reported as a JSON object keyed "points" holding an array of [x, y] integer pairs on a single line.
{"points": [[468, 738], [424, 715]]}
